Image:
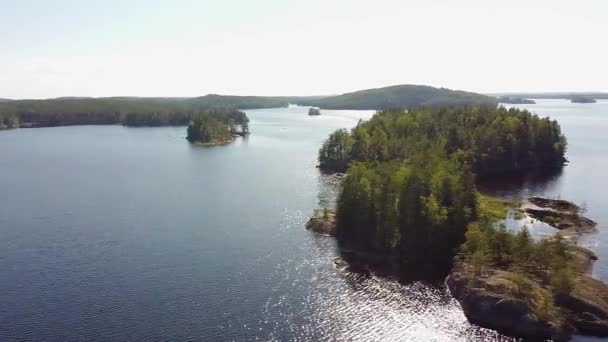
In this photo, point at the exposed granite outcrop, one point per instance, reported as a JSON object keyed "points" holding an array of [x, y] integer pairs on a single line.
{"points": [[495, 299], [564, 221], [323, 222], [492, 301]]}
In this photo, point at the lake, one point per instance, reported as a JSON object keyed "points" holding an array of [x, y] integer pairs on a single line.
{"points": [[117, 233]]}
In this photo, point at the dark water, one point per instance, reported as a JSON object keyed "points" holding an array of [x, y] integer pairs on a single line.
{"points": [[114, 233]]}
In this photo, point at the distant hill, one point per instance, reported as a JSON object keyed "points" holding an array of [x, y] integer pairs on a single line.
{"points": [[553, 95], [400, 96], [5, 100]]}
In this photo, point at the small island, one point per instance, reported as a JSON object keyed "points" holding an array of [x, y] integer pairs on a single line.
{"points": [[314, 111], [515, 100], [409, 209], [582, 99], [217, 127]]}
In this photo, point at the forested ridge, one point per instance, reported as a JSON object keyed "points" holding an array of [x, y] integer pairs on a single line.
{"points": [[410, 185], [400, 96], [161, 111], [125, 110]]}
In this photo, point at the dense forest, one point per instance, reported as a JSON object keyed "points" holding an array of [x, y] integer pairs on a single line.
{"points": [[139, 111], [125, 110], [400, 96], [492, 140], [216, 126], [410, 186]]}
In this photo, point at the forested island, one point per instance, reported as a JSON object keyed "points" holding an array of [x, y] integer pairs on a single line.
{"points": [[217, 126], [408, 207], [314, 111], [582, 99], [515, 100]]}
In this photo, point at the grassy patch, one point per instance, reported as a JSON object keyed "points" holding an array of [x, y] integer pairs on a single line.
{"points": [[495, 208], [520, 286]]}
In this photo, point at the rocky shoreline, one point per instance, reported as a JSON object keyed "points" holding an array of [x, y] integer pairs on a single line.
{"points": [[232, 138], [322, 222], [493, 300]]}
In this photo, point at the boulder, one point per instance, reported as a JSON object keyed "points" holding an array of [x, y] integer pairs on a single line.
{"points": [[323, 222]]}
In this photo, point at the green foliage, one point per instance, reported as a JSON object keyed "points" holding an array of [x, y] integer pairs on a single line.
{"points": [[410, 186], [126, 110], [488, 139], [417, 213], [335, 152], [494, 208], [562, 281], [548, 261], [215, 126]]}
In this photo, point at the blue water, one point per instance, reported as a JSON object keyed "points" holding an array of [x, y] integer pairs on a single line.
{"points": [[115, 233]]}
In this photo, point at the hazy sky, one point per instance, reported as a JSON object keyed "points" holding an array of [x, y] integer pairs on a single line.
{"points": [[280, 47]]}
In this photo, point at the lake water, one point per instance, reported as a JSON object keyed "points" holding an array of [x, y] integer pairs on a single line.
{"points": [[116, 233]]}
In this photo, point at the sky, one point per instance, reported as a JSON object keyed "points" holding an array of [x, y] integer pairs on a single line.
{"points": [[312, 47]]}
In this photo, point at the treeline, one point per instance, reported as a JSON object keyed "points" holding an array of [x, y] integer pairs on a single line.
{"points": [[217, 126], [9, 121], [125, 110], [547, 261], [417, 213], [410, 188], [160, 111], [492, 140]]}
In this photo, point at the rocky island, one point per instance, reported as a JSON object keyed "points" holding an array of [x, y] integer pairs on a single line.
{"points": [[409, 206]]}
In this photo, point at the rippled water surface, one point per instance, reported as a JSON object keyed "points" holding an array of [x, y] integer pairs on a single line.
{"points": [[115, 233]]}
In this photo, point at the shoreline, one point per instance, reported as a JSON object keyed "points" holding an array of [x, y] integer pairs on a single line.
{"points": [[488, 300], [220, 142]]}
